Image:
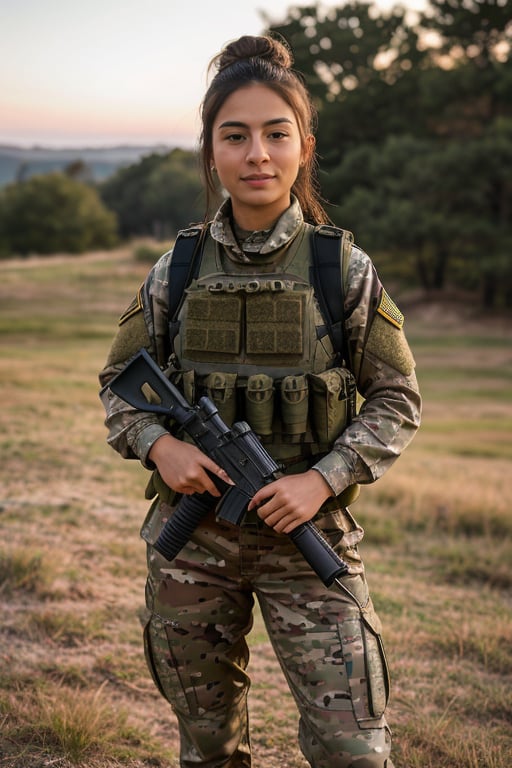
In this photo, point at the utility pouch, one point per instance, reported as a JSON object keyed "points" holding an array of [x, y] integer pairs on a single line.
{"points": [[221, 389], [294, 405], [259, 403], [333, 402]]}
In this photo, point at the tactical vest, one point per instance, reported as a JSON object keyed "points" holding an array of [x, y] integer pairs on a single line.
{"points": [[253, 338]]}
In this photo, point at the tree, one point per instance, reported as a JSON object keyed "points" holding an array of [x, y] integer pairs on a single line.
{"points": [[175, 193], [79, 170], [475, 30], [361, 67], [51, 213], [392, 213], [156, 196], [125, 194], [414, 137], [445, 214], [471, 67]]}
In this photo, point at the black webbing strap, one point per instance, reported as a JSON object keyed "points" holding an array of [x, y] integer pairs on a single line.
{"points": [[327, 279], [184, 264]]}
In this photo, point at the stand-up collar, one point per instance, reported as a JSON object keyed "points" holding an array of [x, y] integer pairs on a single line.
{"points": [[260, 242]]}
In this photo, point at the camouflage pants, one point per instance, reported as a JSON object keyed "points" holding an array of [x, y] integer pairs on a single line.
{"points": [[330, 651]]}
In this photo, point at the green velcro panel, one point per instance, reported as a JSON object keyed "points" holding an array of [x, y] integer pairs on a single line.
{"points": [[274, 326], [130, 337], [213, 324], [389, 344]]}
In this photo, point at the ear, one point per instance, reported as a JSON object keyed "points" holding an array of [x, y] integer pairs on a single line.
{"points": [[308, 148]]}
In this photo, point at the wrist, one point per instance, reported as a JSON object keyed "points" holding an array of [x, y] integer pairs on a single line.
{"points": [[323, 482], [143, 438], [160, 447]]}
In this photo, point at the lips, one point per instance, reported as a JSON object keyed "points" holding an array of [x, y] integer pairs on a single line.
{"points": [[257, 178]]}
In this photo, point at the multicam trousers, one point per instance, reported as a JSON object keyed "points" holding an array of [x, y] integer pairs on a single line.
{"points": [[200, 608]]}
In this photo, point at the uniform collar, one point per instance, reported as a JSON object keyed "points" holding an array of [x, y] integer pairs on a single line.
{"points": [[258, 243]]}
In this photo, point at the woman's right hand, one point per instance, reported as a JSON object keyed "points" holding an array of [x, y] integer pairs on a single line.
{"points": [[184, 468]]}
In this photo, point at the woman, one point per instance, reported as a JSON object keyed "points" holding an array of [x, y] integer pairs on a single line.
{"points": [[251, 335]]}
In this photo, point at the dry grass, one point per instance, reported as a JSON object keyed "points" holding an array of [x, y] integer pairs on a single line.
{"points": [[74, 689]]}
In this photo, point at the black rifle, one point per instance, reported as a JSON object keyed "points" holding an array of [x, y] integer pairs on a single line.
{"points": [[237, 451]]}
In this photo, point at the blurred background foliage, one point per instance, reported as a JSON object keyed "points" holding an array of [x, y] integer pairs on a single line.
{"points": [[414, 139]]}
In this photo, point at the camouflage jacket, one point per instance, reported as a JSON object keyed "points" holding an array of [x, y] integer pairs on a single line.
{"points": [[381, 359]]}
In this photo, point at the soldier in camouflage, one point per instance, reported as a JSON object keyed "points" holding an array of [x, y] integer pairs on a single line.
{"points": [[251, 335]]}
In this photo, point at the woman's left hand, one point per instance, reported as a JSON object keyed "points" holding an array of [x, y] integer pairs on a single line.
{"points": [[291, 500]]}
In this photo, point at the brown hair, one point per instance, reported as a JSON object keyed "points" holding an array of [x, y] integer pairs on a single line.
{"points": [[268, 61]]}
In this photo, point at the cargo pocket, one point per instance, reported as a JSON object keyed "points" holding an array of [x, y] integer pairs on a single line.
{"points": [[343, 532], [378, 672], [366, 669], [150, 661], [160, 658]]}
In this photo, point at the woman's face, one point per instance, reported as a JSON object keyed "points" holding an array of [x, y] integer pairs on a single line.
{"points": [[257, 152]]}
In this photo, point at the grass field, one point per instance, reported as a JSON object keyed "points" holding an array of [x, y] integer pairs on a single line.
{"points": [[74, 689]]}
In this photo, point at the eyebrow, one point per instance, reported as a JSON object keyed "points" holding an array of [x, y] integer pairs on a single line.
{"points": [[239, 124]]}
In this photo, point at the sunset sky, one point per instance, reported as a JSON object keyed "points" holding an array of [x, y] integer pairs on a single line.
{"points": [[106, 72]]}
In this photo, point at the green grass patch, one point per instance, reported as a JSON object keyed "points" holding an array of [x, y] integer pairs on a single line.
{"points": [[26, 569], [79, 725], [486, 562]]}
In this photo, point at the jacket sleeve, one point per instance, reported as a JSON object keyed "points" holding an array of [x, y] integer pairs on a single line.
{"points": [[383, 366], [143, 324]]}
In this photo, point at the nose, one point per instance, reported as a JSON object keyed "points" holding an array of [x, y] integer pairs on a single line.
{"points": [[257, 152]]}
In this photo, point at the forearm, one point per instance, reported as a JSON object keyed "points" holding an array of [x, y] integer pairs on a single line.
{"points": [[382, 430], [131, 433]]}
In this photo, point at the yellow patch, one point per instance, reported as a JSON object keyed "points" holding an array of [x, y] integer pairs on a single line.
{"points": [[389, 310], [135, 306]]}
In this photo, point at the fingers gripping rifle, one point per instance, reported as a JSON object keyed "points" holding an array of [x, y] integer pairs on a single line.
{"points": [[237, 450]]}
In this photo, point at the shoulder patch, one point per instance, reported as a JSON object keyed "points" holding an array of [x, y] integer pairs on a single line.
{"points": [[135, 306], [389, 310]]}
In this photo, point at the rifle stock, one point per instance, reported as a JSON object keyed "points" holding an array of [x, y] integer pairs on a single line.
{"points": [[237, 450]]}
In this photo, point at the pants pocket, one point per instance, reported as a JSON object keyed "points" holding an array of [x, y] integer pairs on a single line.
{"points": [[150, 661], [378, 672], [366, 669]]}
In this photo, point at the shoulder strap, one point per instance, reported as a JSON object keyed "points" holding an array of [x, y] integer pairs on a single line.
{"points": [[330, 260], [184, 265]]}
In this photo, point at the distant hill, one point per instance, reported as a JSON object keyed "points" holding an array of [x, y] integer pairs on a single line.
{"points": [[102, 162]]}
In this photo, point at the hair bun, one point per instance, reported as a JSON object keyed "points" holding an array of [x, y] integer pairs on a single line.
{"points": [[254, 47]]}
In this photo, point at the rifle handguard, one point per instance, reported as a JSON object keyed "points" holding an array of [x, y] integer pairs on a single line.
{"points": [[318, 553], [181, 525]]}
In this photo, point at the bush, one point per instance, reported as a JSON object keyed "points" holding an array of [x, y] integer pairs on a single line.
{"points": [[54, 213]]}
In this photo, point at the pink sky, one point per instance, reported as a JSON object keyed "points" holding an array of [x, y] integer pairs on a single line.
{"points": [[115, 71]]}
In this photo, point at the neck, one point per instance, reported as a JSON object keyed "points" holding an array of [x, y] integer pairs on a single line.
{"points": [[256, 218]]}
